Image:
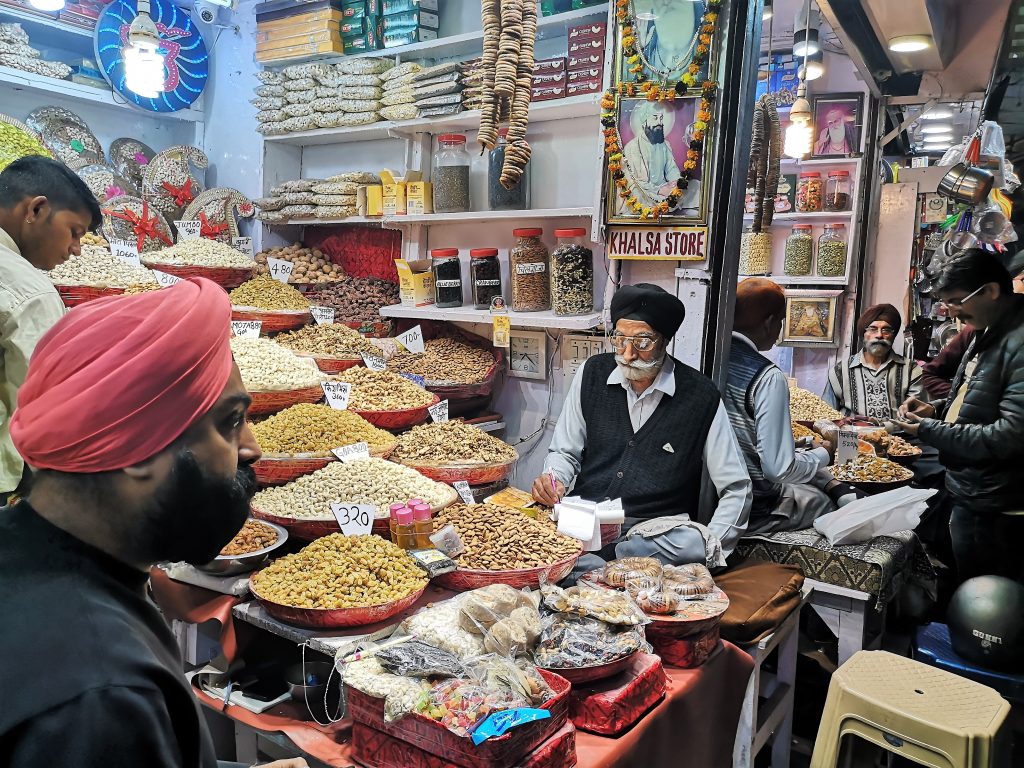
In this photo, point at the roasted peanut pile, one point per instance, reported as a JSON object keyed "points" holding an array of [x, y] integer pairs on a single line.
{"points": [[370, 481], [91, 238], [870, 469], [446, 360], [311, 265], [799, 431], [340, 571], [200, 252], [805, 406], [357, 298], [97, 266], [328, 341], [501, 538], [265, 292], [451, 442], [383, 391], [253, 537], [269, 367], [309, 428]]}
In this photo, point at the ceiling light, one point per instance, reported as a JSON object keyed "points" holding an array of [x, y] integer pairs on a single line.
{"points": [[910, 43], [937, 128], [799, 133], [805, 42], [769, 10], [938, 142], [937, 113], [47, 5], [815, 67]]}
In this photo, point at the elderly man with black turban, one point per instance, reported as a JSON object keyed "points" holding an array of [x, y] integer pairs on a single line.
{"points": [[639, 426], [876, 380]]}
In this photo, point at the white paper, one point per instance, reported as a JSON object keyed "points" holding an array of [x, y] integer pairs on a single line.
{"points": [[164, 279], [280, 269], [127, 250], [439, 411], [188, 229], [611, 512], [354, 452], [374, 362], [463, 488], [897, 510], [577, 521], [246, 329], [847, 448], [243, 244], [323, 315], [337, 393], [412, 339], [354, 519]]}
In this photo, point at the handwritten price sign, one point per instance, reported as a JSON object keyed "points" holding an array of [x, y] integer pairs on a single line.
{"points": [[280, 269], [246, 329], [323, 315], [337, 393], [439, 411], [463, 488], [354, 452], [166, 281], [412, 340], [374, 362], [188, 230], [354, 519], [243, 244], [126, 250]]}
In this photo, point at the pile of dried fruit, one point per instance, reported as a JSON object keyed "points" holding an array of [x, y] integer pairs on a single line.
{"points": [[870, 469], [800, 431], [330, 340], [309, 428], [451, 442], [264, 292], [253, 537], [311, 265], [446, 360], [805, 406], [357, 298], [383, 391], [99, 267]]}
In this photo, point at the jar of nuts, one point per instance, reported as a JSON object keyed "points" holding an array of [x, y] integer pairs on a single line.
{"points": [[809, 190], [572, 274], [799, 251], [832, 251], [755, 252], [485, 273], [528, 262]]}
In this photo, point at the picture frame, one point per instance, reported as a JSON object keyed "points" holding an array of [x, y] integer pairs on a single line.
{"points": [[528, 354], [667, 33], [812, 318], [655, 137], [838, 124]]}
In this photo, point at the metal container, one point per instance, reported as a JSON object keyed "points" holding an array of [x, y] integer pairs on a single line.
{"points": [[965, 184], [227, 565]]}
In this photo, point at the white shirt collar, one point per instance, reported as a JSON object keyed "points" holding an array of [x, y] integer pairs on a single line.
{"points": [[741, 337], [8, 242], [665, 381]]}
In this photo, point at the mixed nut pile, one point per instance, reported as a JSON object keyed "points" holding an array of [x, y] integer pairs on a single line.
{"points": [[264, 292], [446, 360], [97, 266], [451, 442], [268, 367], [332, 340], [805, 406], [253, 537], [357, 298], [383, 391], [870, 469], [316, 429]]}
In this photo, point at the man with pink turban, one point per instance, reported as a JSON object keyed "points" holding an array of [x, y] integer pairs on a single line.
{"points": [[132, 418]]}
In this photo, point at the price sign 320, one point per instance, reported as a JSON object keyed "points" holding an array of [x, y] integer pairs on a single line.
{"points": [[354, 519]]}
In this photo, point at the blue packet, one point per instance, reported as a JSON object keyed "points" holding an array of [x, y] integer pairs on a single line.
{"points": [[497, 723], [415, 378]]}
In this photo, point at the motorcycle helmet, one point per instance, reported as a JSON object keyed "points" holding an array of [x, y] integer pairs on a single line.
{"points": [[986, 622]]}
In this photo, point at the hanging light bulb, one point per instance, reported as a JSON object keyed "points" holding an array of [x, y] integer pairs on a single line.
{"points": [[937, 113], [47, 5], [143, 62], [767, 13], [799, 132], [938, 128], [814, 69], [805, 41]]}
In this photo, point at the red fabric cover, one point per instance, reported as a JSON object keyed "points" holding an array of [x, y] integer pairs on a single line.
{"points": [[684, 652], [611, 706], [118, 379], [184, 602], [361, 251], [379, 750]]}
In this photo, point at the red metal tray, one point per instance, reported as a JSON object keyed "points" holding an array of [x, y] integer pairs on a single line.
{"points": [[266, 403], [474, 474], [332, 618], [469, 578], [403, 419], [589, 674], [273, 320]]}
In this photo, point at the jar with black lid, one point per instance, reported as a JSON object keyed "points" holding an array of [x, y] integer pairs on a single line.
{"points": [[485, 276], [447, 277]]}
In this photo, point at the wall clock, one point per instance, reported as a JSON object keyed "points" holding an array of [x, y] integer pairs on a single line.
{"points": [[527, 354]]}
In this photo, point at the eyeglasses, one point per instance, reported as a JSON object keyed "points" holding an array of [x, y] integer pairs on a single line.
{"points": [[640, 343], [884, 331], [958, 303]]}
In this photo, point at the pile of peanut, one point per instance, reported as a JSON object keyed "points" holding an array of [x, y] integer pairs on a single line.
{"points": [[502, 539], [870, 469], [383, 391], [451, 442], [264, 292], [312, 266], [330, 340], [800, 431], [805, 406], [446, 360], [309, 428]]}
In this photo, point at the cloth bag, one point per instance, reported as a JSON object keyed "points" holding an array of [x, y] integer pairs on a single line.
{"points": [[885, 513]]}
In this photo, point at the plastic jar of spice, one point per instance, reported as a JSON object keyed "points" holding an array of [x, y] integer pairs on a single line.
{"points": [[808, 192], [499, 198], [755, 252], [485, 276], [837, 191], [450, 175], [832, 251], [799, 251], [572, 274], [447, 277], [528, 267]]}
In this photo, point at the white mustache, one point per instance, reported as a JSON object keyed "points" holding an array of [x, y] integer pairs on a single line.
{"points": [[639, 370]]}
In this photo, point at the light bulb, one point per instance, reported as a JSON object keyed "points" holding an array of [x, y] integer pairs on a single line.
{"points": [[144, 70], [768, 11], [937, 128], [798, 138], [910, 43], [805, 42], [47, 5], [937, 113], [815, 67]]}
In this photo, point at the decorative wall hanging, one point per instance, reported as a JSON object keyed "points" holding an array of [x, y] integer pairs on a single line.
{"points": [[17, 140], [130, 157], [105, 182], [71, 143], [170, 184], [810, 318], [186, 61], [216, 210], [133, 219]]}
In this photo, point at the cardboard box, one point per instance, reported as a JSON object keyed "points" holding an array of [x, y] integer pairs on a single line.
{"points": [[550, 80], [369, 41], [306, 22], [362, 8], [419, 197], [370, 200], [549, 66], [594, 31], [368, 25], [290, 52], [395, 200], [296, 37], [415, 283], [586, 47], [294, 10], [580, 75], [586, 60], [409, 20], [548, 93], [583, 87], [420, 35], [312, 38], [401, 6]]}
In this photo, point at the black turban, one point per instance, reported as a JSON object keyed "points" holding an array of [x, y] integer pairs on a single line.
{"points": [[649, 304]]}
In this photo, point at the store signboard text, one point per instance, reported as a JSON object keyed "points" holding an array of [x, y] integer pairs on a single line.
{"points": [[658, 243]]}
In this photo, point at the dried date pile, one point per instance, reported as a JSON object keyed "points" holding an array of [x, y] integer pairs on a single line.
{"points": [[356, 299]]}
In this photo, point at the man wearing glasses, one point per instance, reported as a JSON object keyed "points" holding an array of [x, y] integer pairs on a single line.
{"points": [[978, 429], [876, 380], [639, 426]]}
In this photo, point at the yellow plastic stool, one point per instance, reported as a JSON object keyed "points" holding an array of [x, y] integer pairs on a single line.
{"points": [[927, 715]]}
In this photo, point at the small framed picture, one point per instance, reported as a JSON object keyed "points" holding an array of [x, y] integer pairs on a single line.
{"points": [[811, 318], [837, 124]]}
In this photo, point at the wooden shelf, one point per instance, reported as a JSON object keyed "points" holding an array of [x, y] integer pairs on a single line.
{"points": [[432, 219], [546, 319], [808, 280], [798, 218]]}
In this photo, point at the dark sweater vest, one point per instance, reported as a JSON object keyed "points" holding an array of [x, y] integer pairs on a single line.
{"points": [[616, 463]]}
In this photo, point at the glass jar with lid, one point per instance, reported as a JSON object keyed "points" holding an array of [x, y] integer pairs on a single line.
{"points": [[498, 197], [447, 277], [799, 251], [837, 191], [809, 192], [572, 274], [832, 251], [755, 252], [450, 175], [528, 272], [485, 276]]}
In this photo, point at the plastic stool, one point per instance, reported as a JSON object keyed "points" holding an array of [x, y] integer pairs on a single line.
{"points": [[926, 715], [934, 648]]}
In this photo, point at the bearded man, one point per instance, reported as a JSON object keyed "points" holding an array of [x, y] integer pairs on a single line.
{"points": [[648, 156], [640, 426], [838, 136]]}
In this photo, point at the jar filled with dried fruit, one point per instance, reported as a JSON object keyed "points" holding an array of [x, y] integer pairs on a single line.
{"points": [[755, 252], [528, 261], [837, 191], [799, 251], [499, 198], [447, 277], [808, 192], [485, 275], [572, 274], [832, 251], [451, 174]]}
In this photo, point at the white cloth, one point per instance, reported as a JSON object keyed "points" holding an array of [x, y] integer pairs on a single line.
{"points": [[722, 456]]}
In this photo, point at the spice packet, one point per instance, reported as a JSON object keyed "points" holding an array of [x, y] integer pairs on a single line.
{"points": [[448, 541], [433, 562]]}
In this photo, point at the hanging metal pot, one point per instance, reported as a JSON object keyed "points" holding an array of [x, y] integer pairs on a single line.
{"points": [[965, 184]]}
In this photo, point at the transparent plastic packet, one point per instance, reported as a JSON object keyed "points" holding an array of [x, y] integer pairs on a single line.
{"points": [[570, 641], [520, 678], [588, 599], [508, 619], [415, 658], [459, 704], [439, 625], [618, 572], [401, 695]]}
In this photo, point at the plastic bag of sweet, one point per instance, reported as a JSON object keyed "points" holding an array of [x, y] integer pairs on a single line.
{"points": [[520, 679], [483, 607], [414, 658], [688, 581], [569, 641], [618, 572], [607, 605]]}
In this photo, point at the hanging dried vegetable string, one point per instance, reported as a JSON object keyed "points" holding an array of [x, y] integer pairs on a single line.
{"points": [[491, 18], [517, 154]]}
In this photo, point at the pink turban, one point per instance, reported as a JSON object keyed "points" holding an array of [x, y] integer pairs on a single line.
{"points": [[117, 380]]}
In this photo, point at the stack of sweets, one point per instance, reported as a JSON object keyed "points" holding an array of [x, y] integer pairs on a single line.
{"points": [[409, 21], [472, 85], [585, 70], [549, 78], [399, 100], [438, 90], [362, 26], [286, 29]]}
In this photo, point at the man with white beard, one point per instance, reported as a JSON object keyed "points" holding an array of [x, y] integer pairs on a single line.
{"points": [[648, 156], [640, 426], [837, 137]]}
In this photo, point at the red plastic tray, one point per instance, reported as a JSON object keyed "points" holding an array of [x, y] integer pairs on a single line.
{"points": [[266, 403], [273, 321], [474, 474], [684, 652], [432, 737], [403, 419], [614, 705]]}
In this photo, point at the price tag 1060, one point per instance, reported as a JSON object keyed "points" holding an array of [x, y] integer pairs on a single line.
{"points": [[126, 250], [463, 488], [337, 393], [189, 230], [280, 269], [374, 362], [166, 281], [246, 329], [322, 315], [439, 411], [243, 244], [354, 519], [847, 448], [412, 340]]}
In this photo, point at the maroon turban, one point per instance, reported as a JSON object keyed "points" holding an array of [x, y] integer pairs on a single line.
{"points": [[117, 380], [886, 312]]}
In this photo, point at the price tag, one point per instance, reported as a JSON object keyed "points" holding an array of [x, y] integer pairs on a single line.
{"points": [[165, 280], [354, 519], [126, 250], [847, 448], [337, 393], [374, 362], [323, 315], [439, 411], [463, 488], [412, 339], [246, 329], [354, 452], [280, 269], [415, 378], [502, 330], [188, 230], [244, 244]]}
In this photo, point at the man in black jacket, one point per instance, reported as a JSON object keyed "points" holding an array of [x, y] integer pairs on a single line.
{"points": [[978, 429]]}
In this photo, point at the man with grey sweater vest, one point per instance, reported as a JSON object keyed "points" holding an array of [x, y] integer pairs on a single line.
{"points": [[640, 426]]}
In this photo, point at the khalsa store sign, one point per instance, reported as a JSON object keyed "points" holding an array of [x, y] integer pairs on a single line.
{"points": [[659, 243]]}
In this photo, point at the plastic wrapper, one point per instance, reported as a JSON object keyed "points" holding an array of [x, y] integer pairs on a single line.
{"points": [[418, 659], [607, 605], [499, 673], [626, 569], [496, 724], [439, 626], [655, 600], [461, 704], [691, 581], [506, 618], [401, 695], [579, 641]]}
